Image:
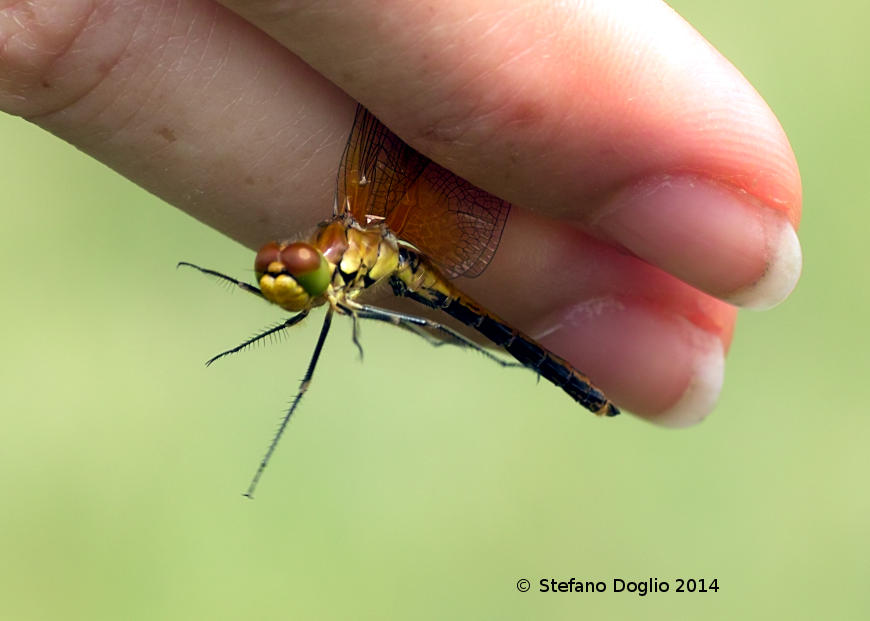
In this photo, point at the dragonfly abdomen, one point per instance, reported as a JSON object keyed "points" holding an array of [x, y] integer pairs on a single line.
{"points": [[418, 280], [534, 356]]}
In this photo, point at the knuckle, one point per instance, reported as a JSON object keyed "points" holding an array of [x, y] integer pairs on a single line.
{"points": [[53, 52]]}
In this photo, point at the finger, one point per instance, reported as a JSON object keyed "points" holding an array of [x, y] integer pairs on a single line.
{"points": [[187, 100], [256, 153], [616, 115]]}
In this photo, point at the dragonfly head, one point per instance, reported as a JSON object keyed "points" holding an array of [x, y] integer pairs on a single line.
{"points": [[291, 275]]}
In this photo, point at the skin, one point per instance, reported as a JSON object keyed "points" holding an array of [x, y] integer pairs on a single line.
{"points": [[651, 183]]}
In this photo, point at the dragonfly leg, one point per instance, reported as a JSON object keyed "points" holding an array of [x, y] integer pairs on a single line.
{"points": [[419, 326], [430, 338], [355, 332], [224, 278], [264, 334], [303, 387]]}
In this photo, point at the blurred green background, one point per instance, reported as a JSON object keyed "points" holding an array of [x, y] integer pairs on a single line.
{"points": [[122, 458]]}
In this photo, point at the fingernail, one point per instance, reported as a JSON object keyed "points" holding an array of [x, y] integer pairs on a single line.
{"points": [[703, 389], [783, 267], [720, 240]]}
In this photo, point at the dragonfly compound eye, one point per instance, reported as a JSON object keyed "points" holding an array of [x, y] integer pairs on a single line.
{"points": [[268, 254], [291, 275]]}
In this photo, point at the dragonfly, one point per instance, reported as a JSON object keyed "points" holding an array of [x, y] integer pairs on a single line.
{"points": [[401, 219]]}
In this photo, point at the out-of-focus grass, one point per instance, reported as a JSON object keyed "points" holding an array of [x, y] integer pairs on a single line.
{"points": [[424, 483]]}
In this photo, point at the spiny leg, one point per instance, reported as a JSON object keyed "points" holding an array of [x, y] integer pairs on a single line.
{"points": [[239, 283], [418, 325], [306, 381], [436, 341], [266, 333]]}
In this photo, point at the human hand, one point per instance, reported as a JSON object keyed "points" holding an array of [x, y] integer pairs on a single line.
{"points": [[641, 158]]}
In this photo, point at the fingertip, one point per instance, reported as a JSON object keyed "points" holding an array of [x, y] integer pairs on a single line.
{"points": [[659, 366], [717, 238]]}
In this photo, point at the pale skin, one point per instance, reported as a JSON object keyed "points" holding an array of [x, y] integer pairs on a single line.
{"points": [[653, 186]]}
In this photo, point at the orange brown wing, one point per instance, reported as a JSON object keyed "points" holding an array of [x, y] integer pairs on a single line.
{"points": [[381, 179]]}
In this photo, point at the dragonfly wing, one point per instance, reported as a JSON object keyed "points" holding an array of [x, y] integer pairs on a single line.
{"points": [[376, 170], [383, 180], [455, 223]]}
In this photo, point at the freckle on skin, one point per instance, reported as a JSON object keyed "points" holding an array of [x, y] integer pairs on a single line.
{"points": [[526, 114], [249, 180], [166, 133]]}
